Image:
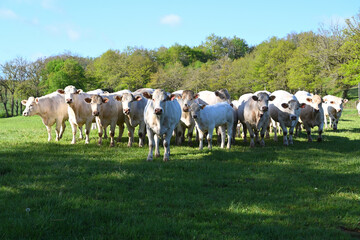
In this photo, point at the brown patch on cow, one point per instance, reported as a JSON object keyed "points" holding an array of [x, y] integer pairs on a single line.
{"points": [[100, 134], [112, 134], [87, 132], [129, 134], [316, 99], [253, 113]]}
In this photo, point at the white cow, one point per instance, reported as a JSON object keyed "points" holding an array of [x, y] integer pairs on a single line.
{"points": [[79, 111], [51, 108], [208, 117], [107, 111], [254, 116], [133, 106], [285, 109], [185, 99], [161, 116], [333, 107], [358, 107], [312, 114]]}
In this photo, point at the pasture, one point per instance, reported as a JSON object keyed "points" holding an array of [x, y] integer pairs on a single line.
{"points": [[61, 191]]}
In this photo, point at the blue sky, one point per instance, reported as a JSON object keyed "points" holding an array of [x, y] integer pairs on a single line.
{"points": [[37, 28]]}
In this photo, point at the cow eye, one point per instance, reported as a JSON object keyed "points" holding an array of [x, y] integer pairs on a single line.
{"points": [[332, 102]]}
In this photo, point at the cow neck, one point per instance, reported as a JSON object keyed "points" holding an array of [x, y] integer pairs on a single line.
{"points": [[42, 113]]}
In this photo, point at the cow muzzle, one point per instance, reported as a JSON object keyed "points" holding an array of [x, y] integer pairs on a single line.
{"points": [[127, 111], [338, 110], [264, 108], [26, 114], [95, 113], [69, 100], [195, 116], [158, 111], [293, 118]]}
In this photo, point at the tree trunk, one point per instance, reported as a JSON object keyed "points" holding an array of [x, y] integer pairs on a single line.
{"points": [[12, 105], [17, 108], [6, 110], [345, 93]]}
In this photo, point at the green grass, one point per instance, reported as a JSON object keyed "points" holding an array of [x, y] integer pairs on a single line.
{"points": [[305, 191]]}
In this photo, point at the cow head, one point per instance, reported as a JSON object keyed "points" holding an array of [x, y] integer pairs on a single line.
{"points": [[159, 99], [262, 101], [69, 93], [187, 98], [293, 108], [315, 102], [126, 99], [223, 95], [31, 106], [195, 109], [96, 102]]}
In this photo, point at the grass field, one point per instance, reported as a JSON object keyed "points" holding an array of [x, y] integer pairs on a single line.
{"points": [[63, 191]]}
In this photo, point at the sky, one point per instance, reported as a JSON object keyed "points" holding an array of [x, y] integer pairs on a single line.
{"points": [[42, 28]]}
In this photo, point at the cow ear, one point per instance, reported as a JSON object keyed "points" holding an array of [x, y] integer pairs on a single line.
{"points": [[105, 100], [138, 98], [60, 91], [147, 95], [196, 96], [118, 98], [172, 97], [202, 106], [302, 105], [272, 97], [217, 93], [88, 100], [324, 100], [178, 96], [309, 100], [285, 105], [78, 91], [255, 98], [36, 100], [345, 100], [232, 105], [23, 102]]}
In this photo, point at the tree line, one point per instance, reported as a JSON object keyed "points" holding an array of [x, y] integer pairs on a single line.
{"points": [[323, 62]]}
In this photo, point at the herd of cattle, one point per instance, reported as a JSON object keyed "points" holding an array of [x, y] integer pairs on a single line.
{"points": [[160, 115]]}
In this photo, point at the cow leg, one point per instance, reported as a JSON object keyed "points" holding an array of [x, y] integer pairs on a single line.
{"points": [[151, 144], [268, 129], [57, 130], [190, 134], [335, 123], [262, 134], [256, 132], [178, 134], [201, 138], [93, 126], [48, 128], [81, 136], [166, 144], [142, 129], [73, 129], [209, 137], [157, 149], [131, 130], [223, 135], [274, 127], [308, 132], [100, 133], [320, 131], [230, 133], [121, 131], [62, 129], [285, 132], [112, 134], [219, 137], [87, 132], [105, 133], [252, 135], [291, 134], [245, 128]]}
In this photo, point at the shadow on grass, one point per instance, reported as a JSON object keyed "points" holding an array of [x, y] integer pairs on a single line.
{"points": [[78, 191]]}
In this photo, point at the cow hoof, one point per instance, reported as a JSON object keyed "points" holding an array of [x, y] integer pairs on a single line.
{"points": [[149, 159], [157, 154], [72, 142], [262, 144], [166, 159], [141, 145], [112, 145], [252, 145]]}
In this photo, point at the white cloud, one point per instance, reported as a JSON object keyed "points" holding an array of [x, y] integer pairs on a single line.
{"points": [[171, 20], [73, 35], [8, 14]]}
